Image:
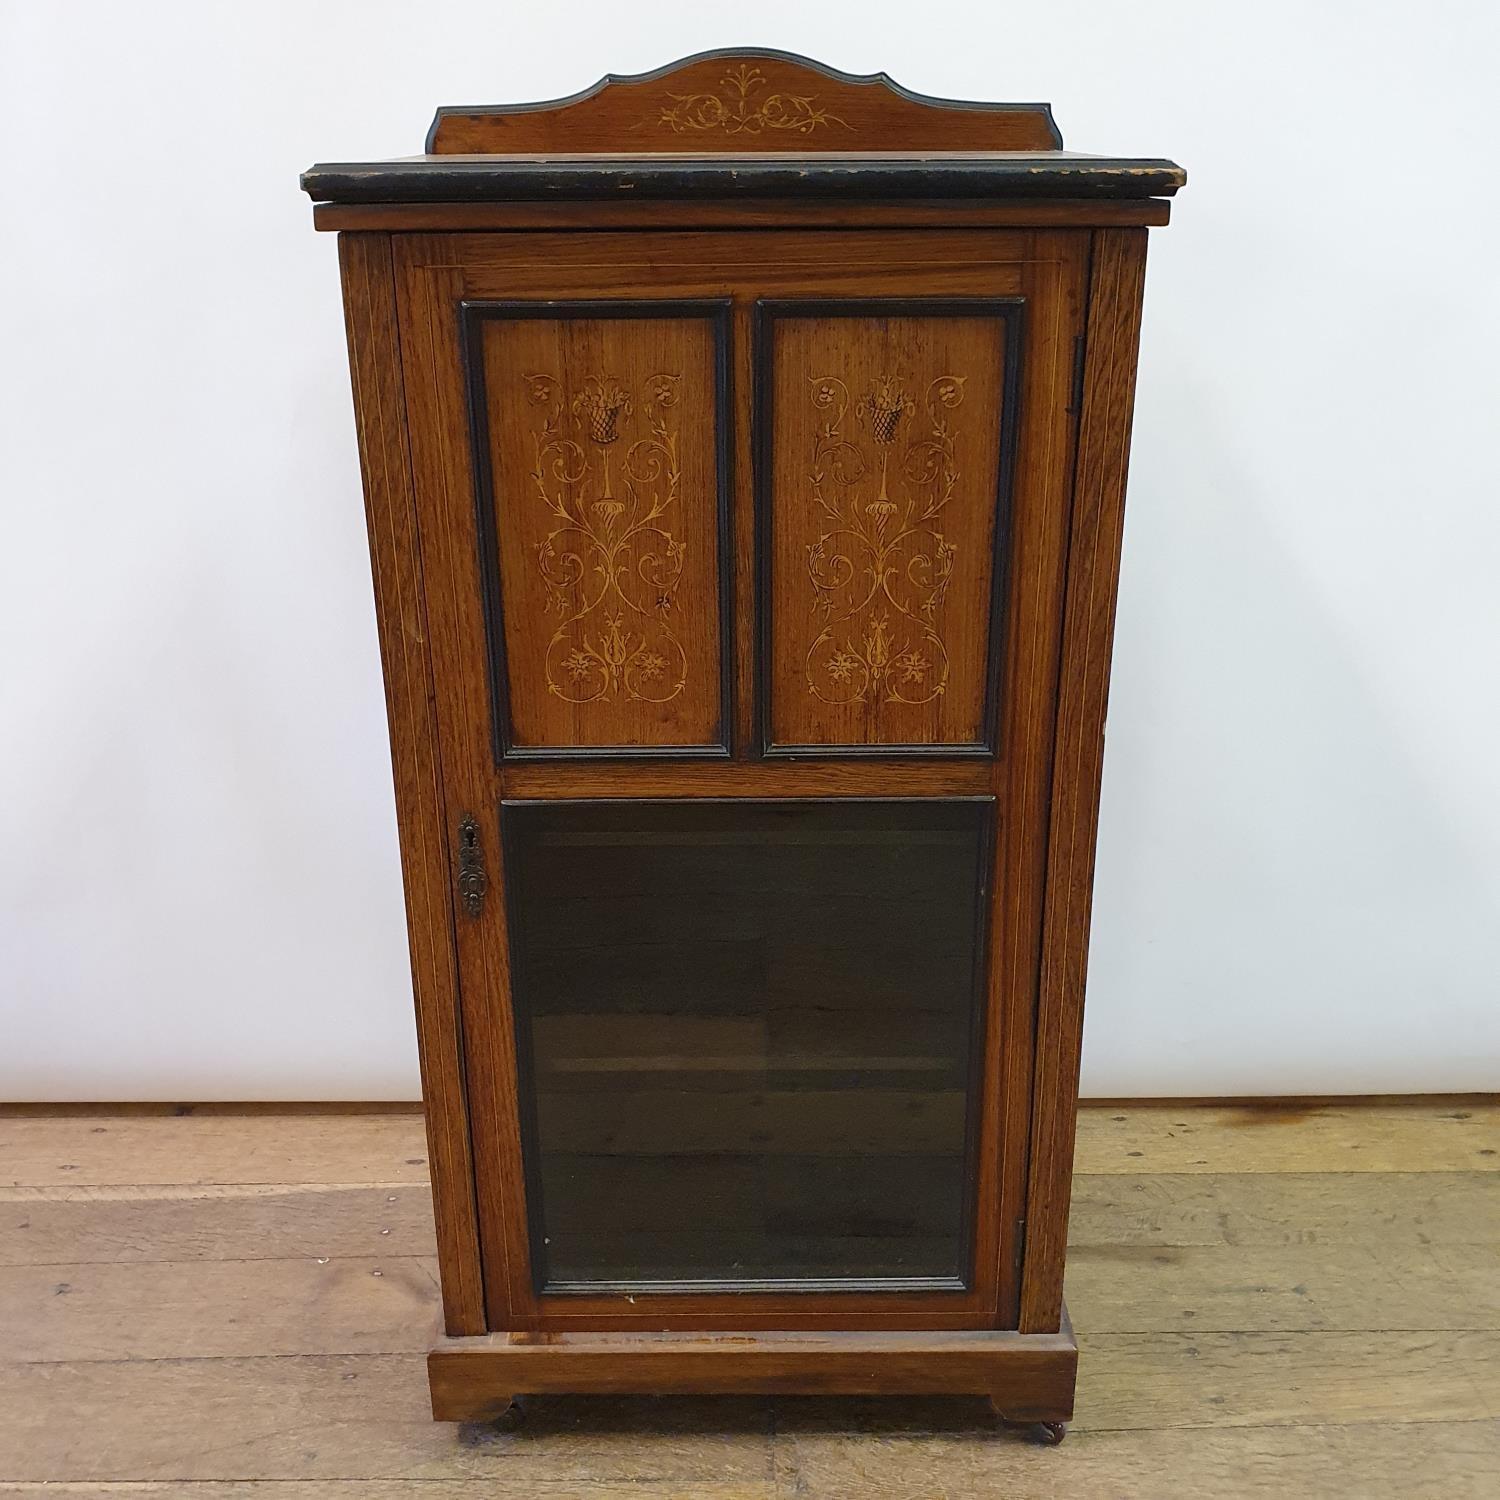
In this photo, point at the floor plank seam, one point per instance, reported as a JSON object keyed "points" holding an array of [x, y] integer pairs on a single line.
{"points": [[1369, 1218], [238, 1260]]}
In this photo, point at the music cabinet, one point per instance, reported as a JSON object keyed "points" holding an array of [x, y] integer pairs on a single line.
{"points": [[744, 451]]}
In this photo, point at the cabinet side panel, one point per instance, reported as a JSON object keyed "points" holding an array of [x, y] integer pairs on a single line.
{"points": [[375, 368], [1113, 329]]}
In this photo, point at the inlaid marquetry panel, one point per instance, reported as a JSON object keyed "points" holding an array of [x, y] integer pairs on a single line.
{"points": [[601, 475], [885, 439]]}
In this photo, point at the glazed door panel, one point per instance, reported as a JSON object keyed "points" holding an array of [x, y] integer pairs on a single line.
{"points": [[886, 430], [697, 1040], [748, 1040]]}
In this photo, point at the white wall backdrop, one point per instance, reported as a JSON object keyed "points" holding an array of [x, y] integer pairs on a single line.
{"points": [[1299, 872]]}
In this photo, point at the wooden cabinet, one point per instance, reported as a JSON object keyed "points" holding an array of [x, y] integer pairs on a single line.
{"points": [[744, 451]]}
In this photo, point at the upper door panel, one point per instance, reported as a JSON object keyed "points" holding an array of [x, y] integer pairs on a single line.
{"points": [[601, 466], [885, 431], [733, 495]]}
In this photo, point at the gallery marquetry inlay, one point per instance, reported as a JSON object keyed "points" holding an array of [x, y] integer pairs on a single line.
{"points": [[742, 106], [880, 567], [606, 468]]}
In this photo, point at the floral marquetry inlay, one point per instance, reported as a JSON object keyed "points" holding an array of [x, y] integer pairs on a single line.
{"points": [[742, 106], [883, 469], [882, 493], [606, 467]]}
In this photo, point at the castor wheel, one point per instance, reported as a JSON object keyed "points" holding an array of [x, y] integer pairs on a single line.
{"points": [[1050, 1434], [513, 1415]]}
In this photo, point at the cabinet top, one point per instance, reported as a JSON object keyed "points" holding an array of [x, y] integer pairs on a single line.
{"points": [[742, 124]]}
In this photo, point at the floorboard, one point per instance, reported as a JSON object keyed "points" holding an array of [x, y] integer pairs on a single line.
{"points": [[42, 1226], [1425, 1135], [1283, 1302]]}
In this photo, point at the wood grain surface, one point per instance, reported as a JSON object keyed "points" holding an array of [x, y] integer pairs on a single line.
{"points": [[1117, 273], [1041, 276], [883, 430], [601, 440], [759, 214], [744, 100], [377, 376], [1272, 1301]]}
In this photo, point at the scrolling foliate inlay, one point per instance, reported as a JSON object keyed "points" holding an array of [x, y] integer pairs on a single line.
{"points": [[880, 481], [610, 564], [739, 114]]}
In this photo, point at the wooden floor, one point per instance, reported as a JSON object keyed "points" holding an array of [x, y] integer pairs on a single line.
{"points": [[1293, 1303]]}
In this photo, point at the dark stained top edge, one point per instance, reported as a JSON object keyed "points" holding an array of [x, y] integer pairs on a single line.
{"points": [[765, 54], [458, 179]]}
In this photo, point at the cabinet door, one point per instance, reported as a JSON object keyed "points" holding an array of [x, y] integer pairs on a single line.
{"points": [[742, 579]]}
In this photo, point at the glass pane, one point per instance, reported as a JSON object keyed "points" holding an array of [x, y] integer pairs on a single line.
{"points": [[748, 1035]]}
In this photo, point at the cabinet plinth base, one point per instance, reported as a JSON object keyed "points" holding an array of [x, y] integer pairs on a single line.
{"points": [[1028, 1377]]}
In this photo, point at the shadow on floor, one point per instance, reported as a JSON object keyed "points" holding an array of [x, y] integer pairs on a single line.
{"points": [[685, 1416]]}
